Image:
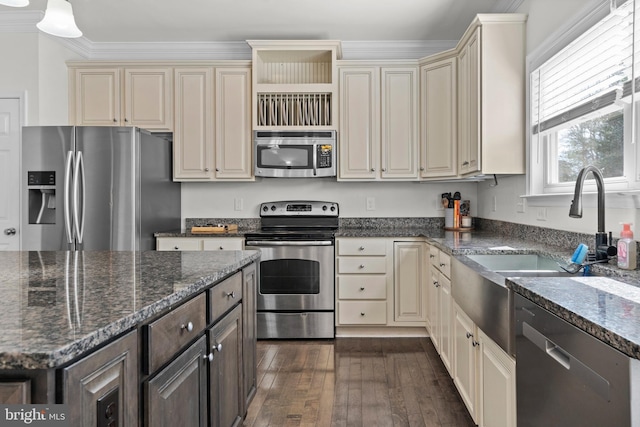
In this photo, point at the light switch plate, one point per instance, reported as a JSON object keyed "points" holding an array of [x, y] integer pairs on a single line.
{"points": [[238, 204], [371, 203]]}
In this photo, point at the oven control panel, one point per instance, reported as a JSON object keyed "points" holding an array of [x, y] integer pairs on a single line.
{"points": [[299, 208]]}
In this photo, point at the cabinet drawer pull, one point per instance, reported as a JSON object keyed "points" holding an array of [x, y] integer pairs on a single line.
{"points": [[188, 326], [217, 347], [208, 357], [231, 294], [475, 343], [465, 163], [469, 334]]}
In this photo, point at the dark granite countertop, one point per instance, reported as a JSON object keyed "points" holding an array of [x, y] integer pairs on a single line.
{"points": [[57, 306], [605, 308]]}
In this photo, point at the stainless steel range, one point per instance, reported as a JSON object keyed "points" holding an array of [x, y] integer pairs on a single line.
{"points": [[297, 269]]}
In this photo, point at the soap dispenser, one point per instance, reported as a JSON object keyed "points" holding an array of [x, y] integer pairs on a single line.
{"points": [[627, 248]]}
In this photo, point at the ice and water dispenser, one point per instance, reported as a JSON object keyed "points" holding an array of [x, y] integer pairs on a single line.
{"points": [[41, 187]]}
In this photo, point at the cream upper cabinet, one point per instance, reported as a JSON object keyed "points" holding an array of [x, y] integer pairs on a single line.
{"points": [[148, 98], [122, 96], [212, 137], [233, 123], [193, 139], [378, 122], [359, 144], [491, 96], [438, 137], [95, 96]]}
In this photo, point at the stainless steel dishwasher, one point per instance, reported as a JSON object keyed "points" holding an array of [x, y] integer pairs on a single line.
{"points": [[566, 377]]}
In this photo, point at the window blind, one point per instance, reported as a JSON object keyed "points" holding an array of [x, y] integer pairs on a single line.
{"points": [[590, 73]]}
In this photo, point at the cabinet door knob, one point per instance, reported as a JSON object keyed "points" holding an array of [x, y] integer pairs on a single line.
{"points": [[384, 169], [422, 168], [188, 326], [176, 248], [221, 248], [231, 294], [465, 163], [361, 248], [475, 343], [10, 231], [469, 334], [217, 347], [206, 169], [115, 121], [432, 256], [442, 264], [208, 357], [373, 169], [361, 266], [126, 120], [217, 170], [437, 285], [362, 288], [361, 314]]}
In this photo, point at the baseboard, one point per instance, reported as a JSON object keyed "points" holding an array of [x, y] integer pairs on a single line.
{"points": [[380, 332]]}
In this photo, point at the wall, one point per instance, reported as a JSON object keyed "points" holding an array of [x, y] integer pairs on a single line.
{"points": [[35, 63], [546, 17], [392, 199]]}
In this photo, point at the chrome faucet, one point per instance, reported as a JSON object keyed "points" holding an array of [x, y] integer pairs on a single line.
{"points": [[604, 249]]}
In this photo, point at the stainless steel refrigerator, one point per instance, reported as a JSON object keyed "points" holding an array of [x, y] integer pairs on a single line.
{"points": [[95, 188]]}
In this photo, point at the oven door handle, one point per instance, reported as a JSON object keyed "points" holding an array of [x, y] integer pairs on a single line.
{"points": [[289, 243]]}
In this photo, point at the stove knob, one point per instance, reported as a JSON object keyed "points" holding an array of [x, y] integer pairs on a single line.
{"points": [[273, 208], [324, 208], [265, 208], [333, 208]]}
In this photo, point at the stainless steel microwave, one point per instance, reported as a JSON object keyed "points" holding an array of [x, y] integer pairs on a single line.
{"points": [[294, 154]]}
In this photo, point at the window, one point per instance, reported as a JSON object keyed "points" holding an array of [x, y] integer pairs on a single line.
{"points": [[583, 108]]}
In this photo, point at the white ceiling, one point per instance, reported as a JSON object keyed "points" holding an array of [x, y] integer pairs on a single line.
{"points": [[198, 21]]}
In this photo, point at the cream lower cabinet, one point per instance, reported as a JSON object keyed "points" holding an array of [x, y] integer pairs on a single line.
{"points": [[199, 244], [440, 305], [363, 278], [378, 122], [212, 136], [410, 269], [104, 95], [483, 374]]}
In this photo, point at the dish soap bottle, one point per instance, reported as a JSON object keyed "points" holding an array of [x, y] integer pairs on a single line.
{"points": [[627, 249]]}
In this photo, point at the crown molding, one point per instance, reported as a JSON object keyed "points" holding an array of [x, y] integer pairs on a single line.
{"points": [[24, 22]]}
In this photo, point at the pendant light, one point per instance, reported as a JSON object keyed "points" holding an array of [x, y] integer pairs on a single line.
{"points": [[58, 20], [15, 3]]}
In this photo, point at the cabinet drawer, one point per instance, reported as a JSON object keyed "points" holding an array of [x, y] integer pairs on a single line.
{"points": [[362, 247], [362, 287], [224, 296], [362, 265], [178, 244], [433, 255], [167, 335], [362, 312], [222, 244], [444, 264]]}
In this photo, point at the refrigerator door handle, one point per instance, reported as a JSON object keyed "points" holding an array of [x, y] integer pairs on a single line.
{"points": [[79, 176], [67, 208]]}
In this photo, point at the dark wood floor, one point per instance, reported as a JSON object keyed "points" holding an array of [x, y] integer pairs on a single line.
{"points": [[354, 382]]}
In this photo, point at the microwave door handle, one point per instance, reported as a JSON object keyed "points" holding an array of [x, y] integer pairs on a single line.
{"points": [[315, 159]]}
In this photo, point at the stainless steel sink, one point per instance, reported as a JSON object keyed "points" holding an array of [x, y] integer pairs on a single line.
{"points": [[520, 265]]}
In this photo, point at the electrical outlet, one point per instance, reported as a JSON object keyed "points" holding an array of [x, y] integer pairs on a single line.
{"points": [[521, 205], [371, 203], [542, 214], [238, 204], [494, 207]]}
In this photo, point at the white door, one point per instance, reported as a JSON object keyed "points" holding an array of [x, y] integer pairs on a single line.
{"points": [[9, 174]]}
